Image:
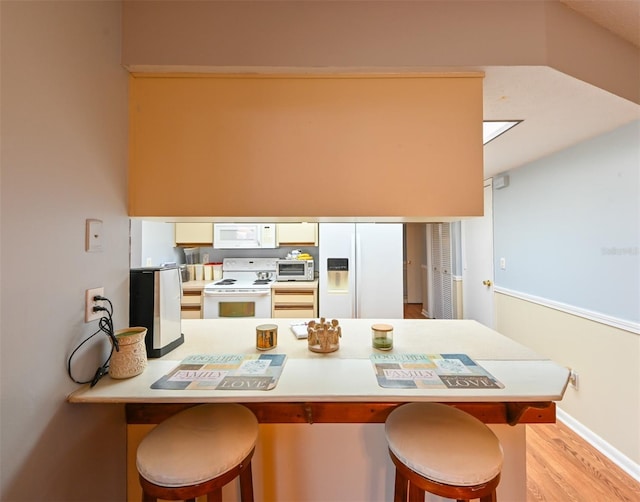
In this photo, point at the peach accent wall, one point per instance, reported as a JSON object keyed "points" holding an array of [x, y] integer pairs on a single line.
{"points": [[312, 146]]}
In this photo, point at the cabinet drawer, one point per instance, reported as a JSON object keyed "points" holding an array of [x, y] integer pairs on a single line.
{"points": [[293, 296], [191, 298], [293, 311], [190, 314]]}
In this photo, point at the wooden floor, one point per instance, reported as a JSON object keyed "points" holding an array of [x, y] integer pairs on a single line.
{"points": [[563, 467], [413, 311]]}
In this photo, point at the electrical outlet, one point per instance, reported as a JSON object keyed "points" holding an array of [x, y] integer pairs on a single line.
{"points": [[89, 303], [573, 379]]}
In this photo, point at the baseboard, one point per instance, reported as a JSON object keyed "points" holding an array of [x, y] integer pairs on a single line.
{"points": [[613, 454]]}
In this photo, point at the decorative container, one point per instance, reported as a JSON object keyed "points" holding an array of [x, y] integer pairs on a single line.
{"points": [[324, 336], [131, 358], [266, 336], [382, 336]]}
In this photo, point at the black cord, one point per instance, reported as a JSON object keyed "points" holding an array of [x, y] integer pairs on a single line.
{"points": [[105, 325]]}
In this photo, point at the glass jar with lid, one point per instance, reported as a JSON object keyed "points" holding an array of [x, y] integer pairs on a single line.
{"points": [[382, 336]]}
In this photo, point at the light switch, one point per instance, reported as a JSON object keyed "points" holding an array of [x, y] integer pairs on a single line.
{"points": [[503, 263], [93, 237]]}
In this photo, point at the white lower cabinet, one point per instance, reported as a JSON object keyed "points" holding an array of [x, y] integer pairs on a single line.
{"points": [[191, 302], [294, 300]]}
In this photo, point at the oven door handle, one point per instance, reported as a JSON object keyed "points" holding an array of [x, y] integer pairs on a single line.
{"points": [[236, 293]]}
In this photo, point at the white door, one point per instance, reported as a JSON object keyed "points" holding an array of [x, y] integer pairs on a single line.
{"points": [[379, 270], [477, 263]]}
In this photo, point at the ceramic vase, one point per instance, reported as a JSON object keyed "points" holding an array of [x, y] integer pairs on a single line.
{"points": [[131, 358]]}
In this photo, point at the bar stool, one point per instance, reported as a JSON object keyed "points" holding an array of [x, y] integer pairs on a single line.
{"points": [[444, 451], [198, 451]]}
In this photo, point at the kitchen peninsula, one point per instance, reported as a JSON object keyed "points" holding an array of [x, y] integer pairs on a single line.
{"points": [[326, 411]]}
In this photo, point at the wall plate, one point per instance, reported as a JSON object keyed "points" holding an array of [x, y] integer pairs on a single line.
{"points": [[89, 303], [93, 236]]}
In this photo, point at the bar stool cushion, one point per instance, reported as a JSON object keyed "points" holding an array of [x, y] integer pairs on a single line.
{"points": [[443, 444], [197, 445]]}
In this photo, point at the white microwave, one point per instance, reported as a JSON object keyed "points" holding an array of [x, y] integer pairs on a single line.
{"points": [[244, 235]]}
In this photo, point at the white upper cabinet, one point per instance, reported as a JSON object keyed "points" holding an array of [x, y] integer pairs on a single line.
{"points": [[297, 234], [194, 234]]}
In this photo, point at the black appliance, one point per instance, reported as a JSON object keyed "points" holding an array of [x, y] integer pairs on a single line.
{"points": [[154, 303]]}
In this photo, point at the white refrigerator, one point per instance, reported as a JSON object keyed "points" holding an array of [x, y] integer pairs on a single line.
{"points": [[360, 270]]}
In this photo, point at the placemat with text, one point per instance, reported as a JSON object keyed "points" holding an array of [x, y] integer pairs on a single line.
{"points": [[224, 372], [431, 371]]}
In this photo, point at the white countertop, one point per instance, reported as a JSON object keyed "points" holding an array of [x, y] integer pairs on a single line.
{"points": [[199, 285], [295, 284], [347, 374]]}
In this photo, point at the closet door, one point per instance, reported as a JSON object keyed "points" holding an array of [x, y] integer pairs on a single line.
{"points": [[446, 265], [441, 278], [436, 271]]}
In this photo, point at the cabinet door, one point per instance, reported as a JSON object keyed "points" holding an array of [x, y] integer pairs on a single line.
{"points": [[293, 296], [191, 304], [294, 302], [297, 234], [294, 312], [190, 313], [194, 234]]}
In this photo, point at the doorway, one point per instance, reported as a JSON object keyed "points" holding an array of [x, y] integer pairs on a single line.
{"points": [[414, 270]]}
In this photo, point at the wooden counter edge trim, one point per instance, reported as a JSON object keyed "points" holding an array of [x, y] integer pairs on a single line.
{"points": [[354, 412], [162, 71]]}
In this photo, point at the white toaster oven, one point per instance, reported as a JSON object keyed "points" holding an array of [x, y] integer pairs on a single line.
{"points": [[294, 270]]}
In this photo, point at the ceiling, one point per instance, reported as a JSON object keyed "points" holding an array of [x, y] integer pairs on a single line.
{"points": [[557, 110], [621, 17]]}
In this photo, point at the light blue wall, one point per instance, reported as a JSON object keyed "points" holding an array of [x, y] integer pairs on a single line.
{"points": [[568, 226]]}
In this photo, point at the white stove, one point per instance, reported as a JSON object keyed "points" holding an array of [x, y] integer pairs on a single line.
{"points": [[243, 291]]}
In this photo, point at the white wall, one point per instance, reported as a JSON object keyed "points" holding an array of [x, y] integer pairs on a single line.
{"points": [[64, 158], [153, 243]]}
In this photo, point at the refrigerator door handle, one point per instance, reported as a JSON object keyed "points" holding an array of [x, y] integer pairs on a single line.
{"points": [[355, 251], [232, 294]]}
